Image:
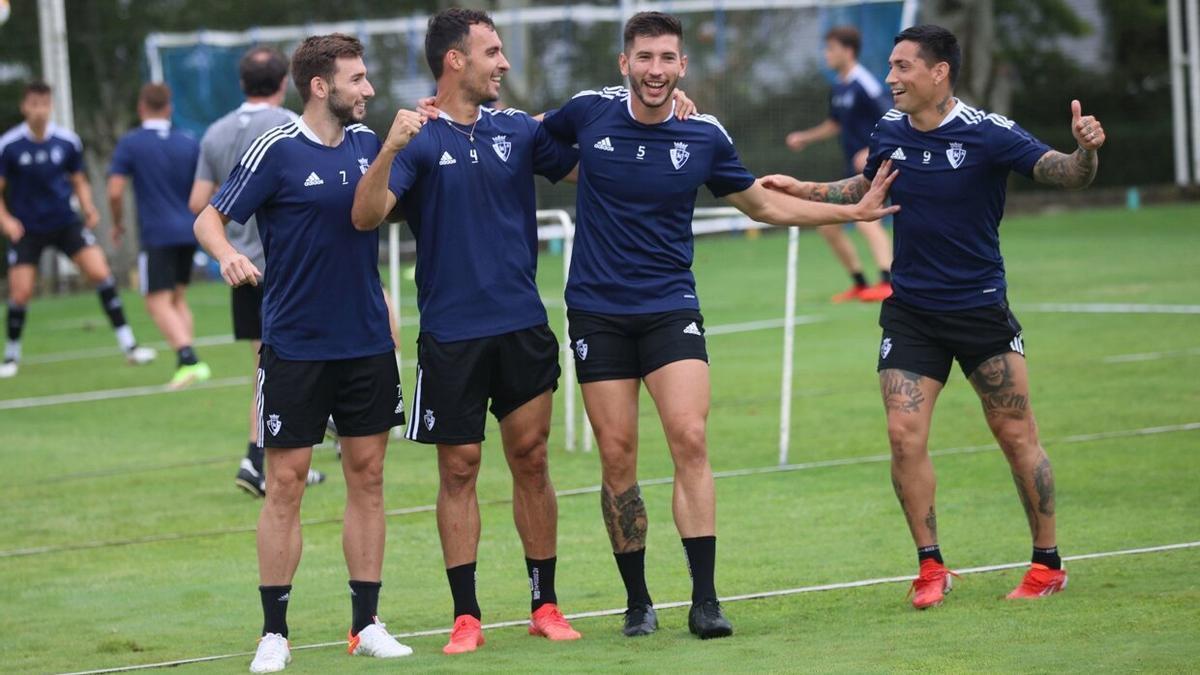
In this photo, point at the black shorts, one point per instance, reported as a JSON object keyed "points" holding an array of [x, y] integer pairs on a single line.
{"points": [[70, 240], [164, 267], [246, 303], [456, 379], [926, 342], [295, 398], [631, 346]]}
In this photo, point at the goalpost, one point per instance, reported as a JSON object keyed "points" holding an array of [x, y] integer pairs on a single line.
{"points": [[558, 226]]}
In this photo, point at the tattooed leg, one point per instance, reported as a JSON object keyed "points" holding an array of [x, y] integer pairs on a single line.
{"points": [[908, 399], [681, 393], [612, 408], [625, 518], [1002, 383]]}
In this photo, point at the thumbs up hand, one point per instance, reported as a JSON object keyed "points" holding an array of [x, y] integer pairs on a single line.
{"points": [[1086, 129]]}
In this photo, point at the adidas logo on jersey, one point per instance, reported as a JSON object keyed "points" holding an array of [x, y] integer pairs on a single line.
{"points": [[446, 160], [692, 329], [898, 155], [313, 179], [604, 144]]}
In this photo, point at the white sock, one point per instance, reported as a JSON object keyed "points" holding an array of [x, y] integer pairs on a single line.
{"points": [[125, 338], [12, 350]]}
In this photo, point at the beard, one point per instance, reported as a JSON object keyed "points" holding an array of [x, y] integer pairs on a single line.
{"points": [[341, 110], [636, 87]]}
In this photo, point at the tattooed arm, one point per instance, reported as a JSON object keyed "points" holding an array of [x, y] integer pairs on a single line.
{"points": [[1076, 170], [847, 191]]}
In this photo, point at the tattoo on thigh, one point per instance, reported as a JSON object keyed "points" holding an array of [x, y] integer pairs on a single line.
{"points": [[993, 381], [1043, 482], [625, 518], [901, 390], [1027, 503]]}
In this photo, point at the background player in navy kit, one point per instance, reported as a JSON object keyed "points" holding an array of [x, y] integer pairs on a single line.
{"points": [[41, 165], [161, 161], [327, 346], [950, 301], [262, 73], [465, 185], [856, 103], [631, 296]]}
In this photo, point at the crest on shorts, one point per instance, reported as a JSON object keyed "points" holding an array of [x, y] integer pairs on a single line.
{"points": [[679, 155], [430, 420], [581, 349], [274, 425], [956, 154], [363, 164], [502, 146], [885, 348]]}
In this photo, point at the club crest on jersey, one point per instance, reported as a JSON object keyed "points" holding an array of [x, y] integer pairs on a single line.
{"points": [[956, 154], [430, 420], [885, 348], [502, 146], [26, 159], [274, 425], [679, 155], [581, 349], [363, 165], [56, 155]]}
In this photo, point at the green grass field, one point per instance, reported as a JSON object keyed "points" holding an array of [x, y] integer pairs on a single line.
{"points": [[82, 480]]}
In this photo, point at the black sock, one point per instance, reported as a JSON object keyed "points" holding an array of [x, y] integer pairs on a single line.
{"points": [[541, 582], [701, 553], [255, 455], [364, 604], [859, 280], [274, 604], [934, 552], [187, 357], [462, 589], [16, 321], [111, 302], [1048, 557], [885, 276], [632, 566]]}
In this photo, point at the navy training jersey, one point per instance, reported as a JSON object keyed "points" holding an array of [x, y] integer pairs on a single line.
{"points": [[322, 299], [856, 103], [472, 212], [951, 190], [38, 176], [162, 163], [637, 188]]}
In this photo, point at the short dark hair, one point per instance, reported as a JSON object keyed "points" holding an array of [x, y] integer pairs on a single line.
{"points": [[317, 57], [261, 70], [34, 87], [846, 36], [936, 44], [448, 30], [652, 24], [156, 96]]}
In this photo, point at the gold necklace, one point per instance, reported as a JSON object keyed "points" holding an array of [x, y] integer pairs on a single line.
{"points": [[470, 135]]}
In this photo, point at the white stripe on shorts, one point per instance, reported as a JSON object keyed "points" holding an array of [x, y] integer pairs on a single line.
{"points": [[258, 404], [414, 415]]}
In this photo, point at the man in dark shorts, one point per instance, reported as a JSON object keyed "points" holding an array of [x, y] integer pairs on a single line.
{"points": [[950, 300], [327, 347], [41, 166], [161, 161]]}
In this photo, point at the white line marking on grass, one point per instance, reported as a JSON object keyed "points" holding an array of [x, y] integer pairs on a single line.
{"points": [[592, 489], [1110, 308], [110, 394], [749, 326], [845, 585], [1151, 356]]}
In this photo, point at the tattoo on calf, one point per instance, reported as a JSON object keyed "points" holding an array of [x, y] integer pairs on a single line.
{"points": [[901, 390], [625, 518], [1027, 503], [931, 523], [1043, 483]]}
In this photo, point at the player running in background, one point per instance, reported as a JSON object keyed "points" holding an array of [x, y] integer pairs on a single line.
{"points": [[465, 184], [856, 103], [161, 162], [631, 297], [950, 300], [262, 73], [327, 347], [41, 166]]}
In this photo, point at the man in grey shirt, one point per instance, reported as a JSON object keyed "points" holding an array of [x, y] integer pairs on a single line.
{"points": [[263, 72]]}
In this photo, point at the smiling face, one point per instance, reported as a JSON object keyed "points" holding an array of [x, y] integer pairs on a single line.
{"points": [[484, 64], [349, 91], [915, 83], [653, 66]]}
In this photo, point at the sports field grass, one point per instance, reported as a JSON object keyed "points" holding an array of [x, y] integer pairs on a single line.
{"points": [[81, 480]]}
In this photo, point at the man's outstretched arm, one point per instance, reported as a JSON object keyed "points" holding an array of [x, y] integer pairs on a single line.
{"points": [[776, 206], [1073, 171], [846, 191]]}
